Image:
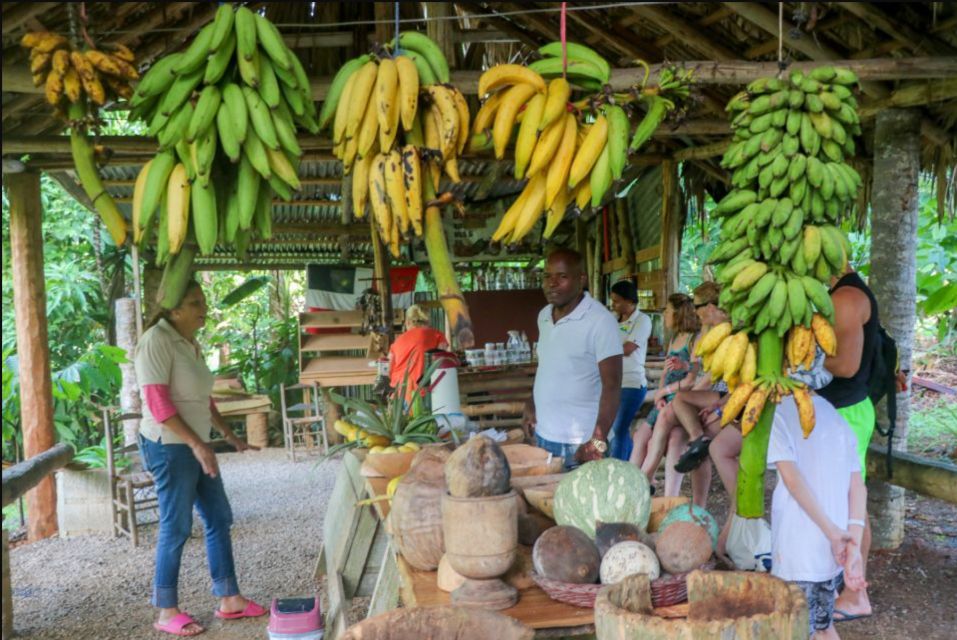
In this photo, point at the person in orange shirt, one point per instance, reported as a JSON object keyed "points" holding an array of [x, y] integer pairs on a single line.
{"points": [[407, 353]]}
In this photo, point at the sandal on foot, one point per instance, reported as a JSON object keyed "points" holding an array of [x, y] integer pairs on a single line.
{"points": [[176, 625], [694, 456], [252, 610], [847, 617]]}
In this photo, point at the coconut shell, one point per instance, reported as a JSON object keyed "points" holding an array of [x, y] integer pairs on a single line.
{"points": [[416, 512], [531, 526], [682, 547], [566, 554], [477, 469]]}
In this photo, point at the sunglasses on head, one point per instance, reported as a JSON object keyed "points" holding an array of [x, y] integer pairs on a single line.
{"points": [[701, 304]]}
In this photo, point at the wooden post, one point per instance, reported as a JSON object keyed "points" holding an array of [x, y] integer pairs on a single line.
{"points": [[624, 233], [894, 207], [126, 338], [383, 12], [151, 282], [7, 590], [671, 223], [441, 30], [33, 349]]}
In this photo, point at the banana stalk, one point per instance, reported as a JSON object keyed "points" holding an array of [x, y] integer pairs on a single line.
{"points": [[450, 295], [754, 447], [85, 164]]}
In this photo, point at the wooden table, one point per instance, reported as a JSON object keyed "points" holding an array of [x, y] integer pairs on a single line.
{"points": [[358, 559]]}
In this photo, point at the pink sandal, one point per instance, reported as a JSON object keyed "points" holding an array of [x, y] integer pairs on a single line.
{"points": [[252, 610], [176, 625]]}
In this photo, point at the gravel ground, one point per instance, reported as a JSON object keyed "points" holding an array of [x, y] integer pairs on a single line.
{"points": [[98, 587]]}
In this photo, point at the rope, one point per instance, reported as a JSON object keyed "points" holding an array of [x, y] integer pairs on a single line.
{"points": [[564, 42], [395, 49], [780, 33]]}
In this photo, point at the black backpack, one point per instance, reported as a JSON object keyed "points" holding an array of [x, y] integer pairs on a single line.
{"points": [[883, 382]]}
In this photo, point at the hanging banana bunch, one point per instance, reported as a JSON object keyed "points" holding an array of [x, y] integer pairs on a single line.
{"points": [[394, 119], [71, 79], [780, 245], [227, 107]]}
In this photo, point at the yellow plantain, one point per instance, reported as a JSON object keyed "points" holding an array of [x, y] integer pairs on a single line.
{"points": [[368, 130], [444, 109], [735, 355], [360, 184], [462, 108], [360, 95], [386, 98], [451, 167], [583, 194], [713, 339], [54, 87], [557, 177], [720, 358], [753, 409], [736, 402], [177, 203], [749, 368], [342, 110], [505, 116], [60, 61], [556, 210], [824, 334], [379, 197], [588, 153], [486, 113], [528, 134], [507, 224], [557, 103], [395, 191], [138, 189], [547, 145], [408, 90], [805, 407], [532, 209], [412, 185], [509, 74], [71, 85]]}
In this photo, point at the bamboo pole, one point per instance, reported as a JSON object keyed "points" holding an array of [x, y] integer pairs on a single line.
{"points": [[127, 313], [33, 349]]}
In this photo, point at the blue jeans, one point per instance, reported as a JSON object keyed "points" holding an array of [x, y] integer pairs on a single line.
{"points": [[181, 483], [560, 449], [620, 442]]}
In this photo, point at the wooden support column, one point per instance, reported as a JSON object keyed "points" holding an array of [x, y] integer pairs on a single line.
{"points": [[33, 348], [442, 31], [126, 338], [671, 224], [625, 238], [380, 264], [384, 17], [894, 207]]}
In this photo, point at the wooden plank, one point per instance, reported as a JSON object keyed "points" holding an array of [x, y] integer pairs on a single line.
{"points": [[330, 319], [335, 614], [337, 366], [332, 382], [385, 595], [912, 95], [703, 151], [931, 478], [647, 255], [684, 31], [358, 554], [336, 342], [651, 279], [617, 264]]}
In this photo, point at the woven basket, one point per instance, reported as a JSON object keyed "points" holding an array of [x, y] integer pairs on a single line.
{"points": [[666, 591]]}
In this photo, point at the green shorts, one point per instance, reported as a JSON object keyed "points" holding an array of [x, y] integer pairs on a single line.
{"points": [[862, 419]]}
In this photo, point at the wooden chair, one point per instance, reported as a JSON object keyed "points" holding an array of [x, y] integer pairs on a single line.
{"points": [[132, 490], [303, 425]]}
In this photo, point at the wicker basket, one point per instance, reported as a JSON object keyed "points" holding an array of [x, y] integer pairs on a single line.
{"points": [[666, 591]]}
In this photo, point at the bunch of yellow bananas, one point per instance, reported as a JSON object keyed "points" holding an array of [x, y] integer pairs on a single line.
{"points": [[562, 160], [225, 112], [802, 342], [65, 72], [394, 117]]}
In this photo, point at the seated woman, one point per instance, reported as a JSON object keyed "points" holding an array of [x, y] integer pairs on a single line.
{"points": [[407, 353], [635, 328], [680, 319]]}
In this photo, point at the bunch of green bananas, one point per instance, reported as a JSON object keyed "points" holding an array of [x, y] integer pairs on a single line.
{"points": [[225, 113], [585, 68], [393, 117], [791, 186], [674, 88]]}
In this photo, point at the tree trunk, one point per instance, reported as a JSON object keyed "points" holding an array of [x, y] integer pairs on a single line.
{"points": [[894, 207], [151, 282], [33, 348], [130, 390]]}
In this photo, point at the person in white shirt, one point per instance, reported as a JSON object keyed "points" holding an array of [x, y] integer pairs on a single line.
{"points": [[634, 329], [578, 380], [818, 508]]}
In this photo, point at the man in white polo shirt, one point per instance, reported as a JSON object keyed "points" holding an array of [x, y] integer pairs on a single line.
{"points": [[578, 381]]}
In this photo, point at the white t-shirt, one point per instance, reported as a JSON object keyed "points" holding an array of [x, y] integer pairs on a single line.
{"points": [[826, 460], [637, 329], [567, 381], [164, 356]]}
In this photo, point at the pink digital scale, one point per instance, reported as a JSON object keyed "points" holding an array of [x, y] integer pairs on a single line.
{"points": [[295, 619]]}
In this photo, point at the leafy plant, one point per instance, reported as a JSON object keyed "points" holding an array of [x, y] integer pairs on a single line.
{"points": [[94, 457], [395, 420]]}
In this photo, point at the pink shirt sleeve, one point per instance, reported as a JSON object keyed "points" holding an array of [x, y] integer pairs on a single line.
{"points": [[158, 402]]}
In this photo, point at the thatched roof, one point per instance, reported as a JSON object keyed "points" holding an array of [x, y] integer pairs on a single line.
{"points": [[478, 34]]}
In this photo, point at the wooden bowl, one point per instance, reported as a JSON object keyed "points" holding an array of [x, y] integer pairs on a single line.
{"points": [[526, 460], [390, 465]]}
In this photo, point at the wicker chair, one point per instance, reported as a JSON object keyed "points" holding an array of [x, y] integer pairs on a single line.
{"points": [[133, 498], [303, 425]]}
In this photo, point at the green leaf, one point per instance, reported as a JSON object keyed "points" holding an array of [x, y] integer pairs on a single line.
{"points": [[943, 299]]}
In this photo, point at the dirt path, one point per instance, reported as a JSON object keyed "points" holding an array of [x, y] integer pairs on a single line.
{"points": [[99, 587]]}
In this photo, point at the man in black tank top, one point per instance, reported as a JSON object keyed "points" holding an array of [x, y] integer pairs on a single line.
{"points": [[856, 326]]}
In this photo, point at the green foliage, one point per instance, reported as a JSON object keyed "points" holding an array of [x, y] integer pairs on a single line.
{"points": [[698, 240], [932, 428]]}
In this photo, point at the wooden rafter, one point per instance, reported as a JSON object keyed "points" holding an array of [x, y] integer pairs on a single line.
{"points": [[23, 13], [922, 43], [685, 32], [715, 16]]}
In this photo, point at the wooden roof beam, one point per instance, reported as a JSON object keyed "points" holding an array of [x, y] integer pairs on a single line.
{"points": [[871, 14], [22, 13], [503, 23], [717, 15], [685, 32]]}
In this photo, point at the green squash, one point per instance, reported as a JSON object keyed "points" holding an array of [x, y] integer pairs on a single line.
{"points": [[606, 490]]}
